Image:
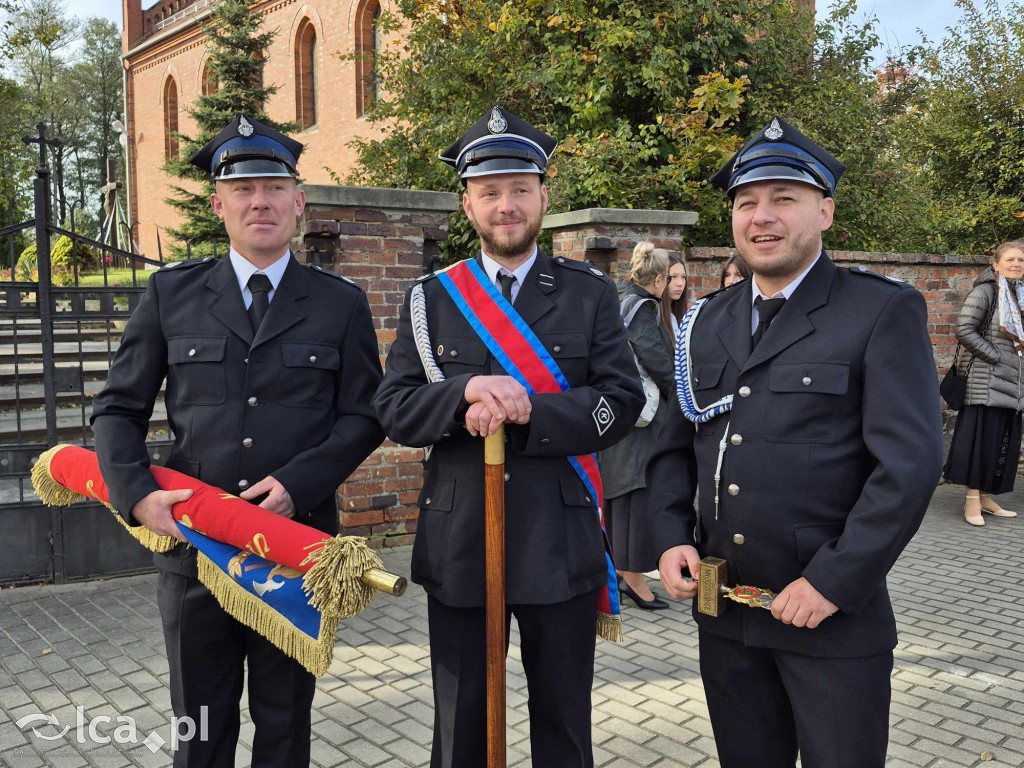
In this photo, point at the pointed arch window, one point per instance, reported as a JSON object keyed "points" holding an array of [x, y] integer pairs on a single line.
{"points": [[208, 80], [369, 43], [305, 75], [170, 119]]}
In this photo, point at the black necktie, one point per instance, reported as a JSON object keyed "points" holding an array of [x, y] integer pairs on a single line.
{"points": [[259, 286], [767, 309], [507, 281]]}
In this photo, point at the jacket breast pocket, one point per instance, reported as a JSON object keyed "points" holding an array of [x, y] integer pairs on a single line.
{"points": [[804, 401], [308, 377], [570, 353], [196, 366], [430, 548], [457, 355]]}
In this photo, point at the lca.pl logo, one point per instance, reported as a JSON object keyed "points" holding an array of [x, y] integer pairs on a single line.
{"points": [[181, 729]]}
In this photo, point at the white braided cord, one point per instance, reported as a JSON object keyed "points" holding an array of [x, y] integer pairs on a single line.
{"points": [[421, 334]]}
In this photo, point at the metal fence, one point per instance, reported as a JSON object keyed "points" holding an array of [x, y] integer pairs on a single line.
{"points": [[61, 317]]}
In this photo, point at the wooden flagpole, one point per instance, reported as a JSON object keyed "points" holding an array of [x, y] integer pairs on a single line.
{"points": [[494, 536]]}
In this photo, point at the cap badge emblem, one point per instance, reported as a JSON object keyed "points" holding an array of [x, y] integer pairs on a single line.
{"points": [[245, 128], [497, 123], [774, 131]]}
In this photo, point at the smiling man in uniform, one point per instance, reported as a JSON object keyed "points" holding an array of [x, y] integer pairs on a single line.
{"points": [[815, 445], [270, 367]]}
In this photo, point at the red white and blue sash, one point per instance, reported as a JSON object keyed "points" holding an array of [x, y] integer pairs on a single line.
{"points": [[525, 358]]}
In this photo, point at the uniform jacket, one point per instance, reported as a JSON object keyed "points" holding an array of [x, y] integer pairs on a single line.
{"points": [[624, 465], [554, 547], [834, 448], [293, 403], [996, 376]]}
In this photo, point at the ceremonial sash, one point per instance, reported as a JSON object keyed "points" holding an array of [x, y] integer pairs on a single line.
{"points": [[525, 359], [288, 581]]}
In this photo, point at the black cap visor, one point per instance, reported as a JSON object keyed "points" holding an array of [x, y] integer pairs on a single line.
{"points": [[253, 167], [498, 165], [778, 173]]}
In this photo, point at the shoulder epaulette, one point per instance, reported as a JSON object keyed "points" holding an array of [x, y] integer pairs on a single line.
{"points": [[320, 270], [180, 266], [428, 276], [579, 266], [862, 270]]}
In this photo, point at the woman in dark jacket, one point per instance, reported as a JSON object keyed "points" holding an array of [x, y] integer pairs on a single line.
{"points": [[624, 465], [986, 441]]}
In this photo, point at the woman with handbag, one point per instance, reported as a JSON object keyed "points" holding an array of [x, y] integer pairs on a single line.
{"points": [[624, 465], [985, 450]]}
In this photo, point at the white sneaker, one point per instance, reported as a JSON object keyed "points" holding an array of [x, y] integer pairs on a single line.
{"points": [[653, 575]]}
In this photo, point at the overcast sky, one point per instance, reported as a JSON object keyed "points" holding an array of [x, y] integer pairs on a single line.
{"points": [[898, 19]]}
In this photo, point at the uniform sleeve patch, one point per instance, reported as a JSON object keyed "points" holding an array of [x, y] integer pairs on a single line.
{"points": [[603, 416]]}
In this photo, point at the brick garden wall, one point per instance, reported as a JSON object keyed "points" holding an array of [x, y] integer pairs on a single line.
{"points": [[384, 239]]}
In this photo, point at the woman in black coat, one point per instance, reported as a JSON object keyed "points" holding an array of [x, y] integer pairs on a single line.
{"points": [[985, 449], [624, 465]]}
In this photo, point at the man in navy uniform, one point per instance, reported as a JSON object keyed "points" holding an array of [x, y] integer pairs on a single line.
{"points": [[443, 387], [814, 389], [270, 367]]}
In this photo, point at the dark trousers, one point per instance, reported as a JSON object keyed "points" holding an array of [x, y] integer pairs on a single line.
{"points": [[206, 651], [766, 705], [558, 658]]}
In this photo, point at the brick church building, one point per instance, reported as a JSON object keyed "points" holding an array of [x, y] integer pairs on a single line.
{"points": [[165, 61]]}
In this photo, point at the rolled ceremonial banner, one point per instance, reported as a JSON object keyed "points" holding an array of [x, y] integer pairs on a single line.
{"points": [[288, 581]]}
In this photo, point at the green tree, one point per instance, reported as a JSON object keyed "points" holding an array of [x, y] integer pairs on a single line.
{"points": [[648, 98], [97, 78], [968, 136], [237, 49]]}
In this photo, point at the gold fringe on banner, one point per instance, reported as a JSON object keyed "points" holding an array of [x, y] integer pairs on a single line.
{"points": [[53, 494], [609, 627], [313, 654], [335, 583]]}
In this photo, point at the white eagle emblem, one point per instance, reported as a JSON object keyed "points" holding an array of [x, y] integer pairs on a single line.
{"points": [[774, 131], [497, 123], [245, 128]]}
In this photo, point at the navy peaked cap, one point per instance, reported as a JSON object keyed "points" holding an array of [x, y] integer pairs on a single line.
{"points": [[780, 151], [247, 148], [499, 142]]}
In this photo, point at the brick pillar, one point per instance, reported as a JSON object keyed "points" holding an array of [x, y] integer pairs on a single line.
{"points": [[606, 236], [382, 239], [132, 32]]}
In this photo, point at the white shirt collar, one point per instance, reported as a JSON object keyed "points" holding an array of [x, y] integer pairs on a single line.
{"points": [[786, 292], [244, 269], [491, 267]]}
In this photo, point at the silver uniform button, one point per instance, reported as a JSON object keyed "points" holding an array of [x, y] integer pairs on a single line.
{"points": [[507, 477], [247, 442], [738, 538], [312, 358], [734, 490], [556, 348], [744, 391], [806, 381], [252, 400], [426, 502], [736, 439], [192, 352], [243, 484], [454, 353]]}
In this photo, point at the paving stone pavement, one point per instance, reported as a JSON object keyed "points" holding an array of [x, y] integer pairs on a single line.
{"points": [[958, 686]]}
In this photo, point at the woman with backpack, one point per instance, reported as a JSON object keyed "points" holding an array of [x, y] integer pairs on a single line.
{"points": [[624, 465]]}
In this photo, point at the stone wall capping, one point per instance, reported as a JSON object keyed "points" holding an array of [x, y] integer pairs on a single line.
{"points": [[327, 195], [620, 216]]}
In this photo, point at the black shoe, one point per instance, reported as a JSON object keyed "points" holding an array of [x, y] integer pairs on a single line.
{"points": [[657, 604]]}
